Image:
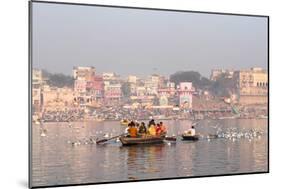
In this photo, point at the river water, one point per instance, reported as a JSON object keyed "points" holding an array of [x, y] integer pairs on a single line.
{"points": [[65, 155]]}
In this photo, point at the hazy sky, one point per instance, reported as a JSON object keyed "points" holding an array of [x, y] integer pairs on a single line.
{"points": [[141, 42]]}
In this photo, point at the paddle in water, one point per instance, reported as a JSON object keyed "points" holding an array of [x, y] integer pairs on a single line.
{"points": [[105, 140]]}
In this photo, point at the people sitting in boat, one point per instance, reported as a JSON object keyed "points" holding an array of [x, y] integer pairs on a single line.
{"points": [[127, 129], [190, 132], [151, 122], [151, 130], [137, 125], [163, 128], [132, 130], [142, 128], [158, 129]]}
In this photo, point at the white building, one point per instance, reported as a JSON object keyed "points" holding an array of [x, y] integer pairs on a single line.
{"points": [[132, 79], [83, 73], [216, 73], [37, 84], [185, 91], [109, 76], [151, 84], [112, 91]]}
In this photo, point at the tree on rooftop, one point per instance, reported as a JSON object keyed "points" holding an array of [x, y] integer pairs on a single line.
{"points": [[197, 80], [58, 79], [126, 89]]}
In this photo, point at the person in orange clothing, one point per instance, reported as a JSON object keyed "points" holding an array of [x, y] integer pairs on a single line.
{"points": [[133, 131]]}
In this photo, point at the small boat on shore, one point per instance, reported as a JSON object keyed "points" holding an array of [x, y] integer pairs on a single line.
{"points": [[142, 140], [188, 137]]}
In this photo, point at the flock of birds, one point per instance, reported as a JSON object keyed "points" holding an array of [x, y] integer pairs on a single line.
{"points": [[86, 140], [235, 134], [230, 133]]}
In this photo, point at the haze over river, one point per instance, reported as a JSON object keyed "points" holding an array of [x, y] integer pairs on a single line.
{"points": [[64, 154]]}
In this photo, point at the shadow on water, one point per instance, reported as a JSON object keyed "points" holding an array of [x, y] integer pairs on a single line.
{"points": [[143, 159]]}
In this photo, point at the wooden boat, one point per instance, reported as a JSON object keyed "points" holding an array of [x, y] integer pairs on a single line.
{"points": [[124, 122], [142, 140], [172, 138], [188, 137]]}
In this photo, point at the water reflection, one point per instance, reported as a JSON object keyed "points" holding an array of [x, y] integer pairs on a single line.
{"points": [[144, 159]]}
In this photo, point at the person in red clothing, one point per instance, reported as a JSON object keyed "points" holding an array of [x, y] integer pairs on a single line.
{"points": [[158, 129]]}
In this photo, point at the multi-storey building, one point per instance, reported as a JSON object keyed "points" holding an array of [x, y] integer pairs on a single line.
{"points": [[95, 88], [81, 76], [112, 86], [169, 90], [89, 87], [37, 83], [151, 84], [110, 76], [140, 91], [55, 98], [132, 79], [216, 73], [83, 73], [80, 87], [252, 86], [112, 91]]}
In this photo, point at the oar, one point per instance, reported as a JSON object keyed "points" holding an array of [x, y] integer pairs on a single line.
{"points": [[105, 140]]}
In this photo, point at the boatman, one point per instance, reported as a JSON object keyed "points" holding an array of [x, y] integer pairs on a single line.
{"points": [[191, 131]]}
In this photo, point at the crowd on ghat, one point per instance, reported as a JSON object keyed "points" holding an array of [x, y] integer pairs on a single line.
{"points": [[140, 130]]}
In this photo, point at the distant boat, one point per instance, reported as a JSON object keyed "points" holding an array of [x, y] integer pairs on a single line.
{"points": [[189, 137], [99, 119], [124, 122]]}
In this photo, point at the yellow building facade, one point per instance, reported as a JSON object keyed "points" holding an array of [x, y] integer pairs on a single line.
{"points": [[57, 98], [252, 86]]}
